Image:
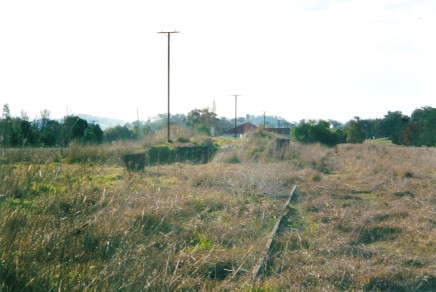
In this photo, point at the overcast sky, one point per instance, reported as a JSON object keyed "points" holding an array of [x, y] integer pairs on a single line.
{"points": [[297, 59]]}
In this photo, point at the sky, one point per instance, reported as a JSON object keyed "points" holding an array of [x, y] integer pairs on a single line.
{"points": [[295, 59]]}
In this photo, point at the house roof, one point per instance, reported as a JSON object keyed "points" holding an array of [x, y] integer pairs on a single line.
{"points": [[241, 129]]}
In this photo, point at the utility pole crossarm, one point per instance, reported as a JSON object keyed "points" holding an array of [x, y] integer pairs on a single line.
{"points": [[169, 32]]}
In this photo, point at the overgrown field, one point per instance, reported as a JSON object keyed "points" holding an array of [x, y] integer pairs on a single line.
{"points": [[362, 218]]}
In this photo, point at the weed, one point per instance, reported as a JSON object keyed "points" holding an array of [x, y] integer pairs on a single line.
{"points": [[220, 270], [150, 224], [408, 174], [233, 159], [377, 233], [404, 194], [385, 283], [356, 252]]}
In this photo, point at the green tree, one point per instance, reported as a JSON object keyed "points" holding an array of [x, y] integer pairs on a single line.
{"points": [[222, 125], [201, 120], [393, 126], [370, 128], [354, 131], [118, 133], [22, 134], [6, 126], [421, 130], [93, 134], [316, 132], [49, 132], [16, 131], [73, 129]]}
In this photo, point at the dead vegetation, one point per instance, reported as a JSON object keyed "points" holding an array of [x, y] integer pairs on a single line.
{"points": [[362, 218]]}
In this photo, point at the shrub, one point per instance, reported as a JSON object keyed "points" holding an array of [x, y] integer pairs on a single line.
{"points": [[316, 132]]}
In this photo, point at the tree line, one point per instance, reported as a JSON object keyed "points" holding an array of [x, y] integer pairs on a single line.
{"points": [[46, 132], [417, 130]]}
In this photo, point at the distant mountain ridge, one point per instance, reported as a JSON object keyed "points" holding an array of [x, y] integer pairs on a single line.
{"points": [[104, 123]]}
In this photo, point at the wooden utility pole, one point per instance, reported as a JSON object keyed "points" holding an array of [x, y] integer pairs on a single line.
{"points": [[264, 119], [137, 119], [168, 33], [236, 110]]}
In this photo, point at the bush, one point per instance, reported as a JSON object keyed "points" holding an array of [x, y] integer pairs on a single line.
{"points": [[316, 132]]}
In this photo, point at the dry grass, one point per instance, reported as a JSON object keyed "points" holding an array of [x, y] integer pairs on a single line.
{"points": [[362, 219], [373, 218]]}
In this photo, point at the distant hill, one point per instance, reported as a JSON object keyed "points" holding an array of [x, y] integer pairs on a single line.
{"points": [[104, 123]]}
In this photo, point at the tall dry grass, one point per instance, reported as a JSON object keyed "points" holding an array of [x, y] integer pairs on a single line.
{"points": [[362, 219], [372, 217]]}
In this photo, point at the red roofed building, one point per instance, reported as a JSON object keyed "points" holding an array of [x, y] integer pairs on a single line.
{"points": [[240, 130], [244, 128]]}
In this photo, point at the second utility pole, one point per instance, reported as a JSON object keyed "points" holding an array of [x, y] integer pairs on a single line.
{"points": [[236, 107], [168, 33], [264, 119]]}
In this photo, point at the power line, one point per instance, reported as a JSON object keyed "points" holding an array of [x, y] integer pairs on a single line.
{"points": [[168, 33]]}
